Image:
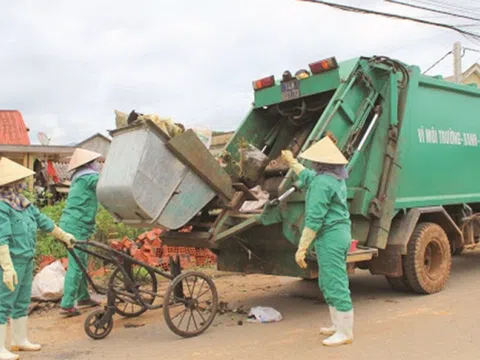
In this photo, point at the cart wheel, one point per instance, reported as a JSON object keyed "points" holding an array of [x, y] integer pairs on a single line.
{"points": [[191, 300], [146, 283], [91, 328]]}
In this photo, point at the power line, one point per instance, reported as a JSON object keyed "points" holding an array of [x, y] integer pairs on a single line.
{"points": [[437, 62], [470, 49], [394, 16], [447, 6], [432, 10]]}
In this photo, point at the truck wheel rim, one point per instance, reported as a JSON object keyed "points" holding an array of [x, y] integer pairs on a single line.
{"points": [[433, 260]]}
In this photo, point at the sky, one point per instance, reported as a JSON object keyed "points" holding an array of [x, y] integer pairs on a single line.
{"points": [[66, 65]]}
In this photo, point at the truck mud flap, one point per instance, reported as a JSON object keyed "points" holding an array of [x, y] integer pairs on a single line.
{"points": [[388, 262]]}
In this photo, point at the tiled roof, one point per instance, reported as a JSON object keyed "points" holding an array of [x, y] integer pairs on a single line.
{"points": [[12, 128]]}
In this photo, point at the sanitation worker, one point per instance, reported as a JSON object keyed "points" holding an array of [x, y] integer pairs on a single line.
{"points": [[78, 218], [327, 225], [19, 221]]}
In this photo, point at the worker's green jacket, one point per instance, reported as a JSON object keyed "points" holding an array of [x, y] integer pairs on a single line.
{"points": [[18, 229], [78, 217], [325, 202]]}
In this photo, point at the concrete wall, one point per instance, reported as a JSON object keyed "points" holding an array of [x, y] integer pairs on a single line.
{"points": [[97, 144]]}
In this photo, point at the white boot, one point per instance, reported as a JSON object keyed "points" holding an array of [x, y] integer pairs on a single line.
{"points": [[19, 336], [330, 330], [344, 334], [4, 353]]}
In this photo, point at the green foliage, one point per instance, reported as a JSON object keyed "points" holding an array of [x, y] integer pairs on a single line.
{"points": [[106, 228], [47, 245]]}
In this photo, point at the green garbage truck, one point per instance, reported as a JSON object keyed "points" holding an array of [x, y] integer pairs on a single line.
{"points": [[412, 142]]}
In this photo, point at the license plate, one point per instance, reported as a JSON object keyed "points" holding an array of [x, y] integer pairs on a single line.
{"points": [[290, 90]]}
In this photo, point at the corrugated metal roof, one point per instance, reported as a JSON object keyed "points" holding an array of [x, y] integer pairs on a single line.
{"points": [[12, 128]]}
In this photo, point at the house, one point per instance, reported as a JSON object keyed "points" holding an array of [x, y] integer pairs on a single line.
{"points": [[15, 145], [469, 76], [98, 143]]}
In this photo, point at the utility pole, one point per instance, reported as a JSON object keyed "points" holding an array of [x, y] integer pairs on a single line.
{"points": [[457, 62]]}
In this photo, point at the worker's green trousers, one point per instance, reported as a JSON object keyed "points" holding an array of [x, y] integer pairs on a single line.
{"points": [[76, 286], [14, 304], [331, 248]]}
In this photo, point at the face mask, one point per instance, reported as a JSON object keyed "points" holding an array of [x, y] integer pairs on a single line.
{"points": [[21, 186], [94, 166]]}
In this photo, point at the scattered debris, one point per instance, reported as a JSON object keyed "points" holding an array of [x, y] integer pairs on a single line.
{"points": [[239, 322], [222, 308], [41, 307], [264, 315], [130, 326], [240, 310]]}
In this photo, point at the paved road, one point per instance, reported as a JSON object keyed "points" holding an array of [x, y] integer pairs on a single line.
{"points": [[389, 325]]}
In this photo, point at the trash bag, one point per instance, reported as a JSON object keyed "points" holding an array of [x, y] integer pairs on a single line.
{"points": [[165, 124], [264, 314], [48, 283], [252, 164]]}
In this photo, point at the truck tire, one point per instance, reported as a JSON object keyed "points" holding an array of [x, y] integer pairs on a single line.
{"points": [[428, 260], [399, 284]]}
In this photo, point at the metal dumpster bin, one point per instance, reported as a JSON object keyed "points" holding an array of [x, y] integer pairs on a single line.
{"points": [[144, 184]]}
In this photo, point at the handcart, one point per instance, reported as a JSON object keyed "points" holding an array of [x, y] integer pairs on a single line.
{"points": [[189, 303]]}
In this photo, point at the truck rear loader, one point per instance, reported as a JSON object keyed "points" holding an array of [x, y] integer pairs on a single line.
{"points": [[413, 191]]}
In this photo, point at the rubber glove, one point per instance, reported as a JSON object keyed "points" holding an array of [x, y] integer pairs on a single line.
{"points": [[308, 235], [60, 235], [287, 156], [9, 274]]}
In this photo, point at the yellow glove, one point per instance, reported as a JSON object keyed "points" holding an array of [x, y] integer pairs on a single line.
{"points": [[287, 156], [308, 235], [63, 236], [9, 274]]}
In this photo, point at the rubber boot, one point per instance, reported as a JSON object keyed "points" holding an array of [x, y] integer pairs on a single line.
{"points": [[4, 353], [330, 330], [19, 336], [344, 334]]}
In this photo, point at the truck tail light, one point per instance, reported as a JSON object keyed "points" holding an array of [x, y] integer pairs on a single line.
{"points": [[323, 65], [263, 83]]}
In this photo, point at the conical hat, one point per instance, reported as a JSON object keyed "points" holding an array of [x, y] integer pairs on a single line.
{"points": [[324, 151], [10, 171], [81, 157]]}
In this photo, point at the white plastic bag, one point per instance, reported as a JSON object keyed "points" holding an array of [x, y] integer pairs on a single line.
{"points": [[253, 205], [48, 283], [264, 314]]}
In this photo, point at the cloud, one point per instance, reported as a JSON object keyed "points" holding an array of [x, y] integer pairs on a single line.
{"points": [[68, 65]]}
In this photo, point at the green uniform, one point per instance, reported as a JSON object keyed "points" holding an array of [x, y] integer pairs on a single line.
{"points": [[327, 214], [78, 219], [18, 230]]}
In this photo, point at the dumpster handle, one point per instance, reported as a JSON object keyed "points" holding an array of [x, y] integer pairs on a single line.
{"points": [[286, 194]]}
